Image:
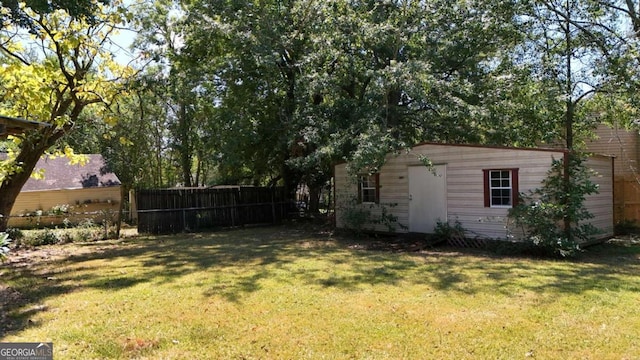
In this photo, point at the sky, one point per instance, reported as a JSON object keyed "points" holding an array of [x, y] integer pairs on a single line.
{"points": [[122, 49]]}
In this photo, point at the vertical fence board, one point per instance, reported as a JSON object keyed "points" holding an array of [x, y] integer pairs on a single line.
{"points": [[176, 210], [626, 200]]}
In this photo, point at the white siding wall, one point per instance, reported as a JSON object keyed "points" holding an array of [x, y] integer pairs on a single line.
{"points": [[601, 204], [620, 143], [465, 185]]}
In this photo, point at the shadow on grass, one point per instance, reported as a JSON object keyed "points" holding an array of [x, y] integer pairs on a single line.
{"points": [[238, 262]]}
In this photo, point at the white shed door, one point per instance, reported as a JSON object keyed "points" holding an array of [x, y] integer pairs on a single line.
{"points": [[428, 197]]}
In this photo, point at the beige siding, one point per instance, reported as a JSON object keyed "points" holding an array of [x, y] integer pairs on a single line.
{"points": [[601, 204], [620, 143], [89, 201], [465, 185], [624, 146]]}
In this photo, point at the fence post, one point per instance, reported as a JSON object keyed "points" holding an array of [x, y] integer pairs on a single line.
{"points": [[235, 195], [184, 220], [273, 204]]}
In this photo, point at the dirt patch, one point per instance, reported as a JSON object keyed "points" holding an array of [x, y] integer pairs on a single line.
{"points": [[395, 244], [612, 250], [8, 297]]}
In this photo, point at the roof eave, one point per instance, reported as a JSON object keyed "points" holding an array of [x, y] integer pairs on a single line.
{"points": [[15, 126]]}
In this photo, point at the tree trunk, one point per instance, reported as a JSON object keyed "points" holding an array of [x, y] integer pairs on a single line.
{"points": [[11, 187], [184, 127], [314, 199], [8, 195], [569, 118]]}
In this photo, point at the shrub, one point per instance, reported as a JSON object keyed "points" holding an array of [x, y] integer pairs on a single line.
{"points": [[33, 238], [357, 216], [4, 245], [15, 234], [386, 218], [60, 209], [544, 212], [45, 237], [87, 234], [443, 231]]}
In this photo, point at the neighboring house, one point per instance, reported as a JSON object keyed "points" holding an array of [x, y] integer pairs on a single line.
{"points": [[474, 185], [625, 146], [73, 192]]}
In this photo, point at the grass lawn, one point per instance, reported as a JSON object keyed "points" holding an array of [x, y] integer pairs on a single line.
{"points": [[287, 293]]}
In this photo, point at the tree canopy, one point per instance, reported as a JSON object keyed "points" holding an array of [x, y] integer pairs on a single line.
{"points": [[276, 92], [299, 85], [53, 73]]}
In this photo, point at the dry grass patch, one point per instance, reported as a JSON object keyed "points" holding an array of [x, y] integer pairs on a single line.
{"points": [[286, 293]]}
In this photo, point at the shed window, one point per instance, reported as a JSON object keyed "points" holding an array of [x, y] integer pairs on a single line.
{"points": [[500, 188], [369, 188]]}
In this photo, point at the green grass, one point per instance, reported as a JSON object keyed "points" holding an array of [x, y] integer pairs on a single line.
{"points": [[284, 293]]}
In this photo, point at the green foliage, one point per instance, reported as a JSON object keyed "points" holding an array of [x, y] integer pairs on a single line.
{"points": [[55, 73], [319, 82], [60, 209], [15, 233], [355, 218], [328, 81], [386, 218], [4, 245], [444, 231], [43, 237], [86, 231], [362, 217], [15, 10], [554, 217]]}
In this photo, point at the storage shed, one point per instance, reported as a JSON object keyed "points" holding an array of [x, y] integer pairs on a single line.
{"points": [[471, 184]]}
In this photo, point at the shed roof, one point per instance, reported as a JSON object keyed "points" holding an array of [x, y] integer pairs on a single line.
{"points": [[500, 147], [59, 174]]}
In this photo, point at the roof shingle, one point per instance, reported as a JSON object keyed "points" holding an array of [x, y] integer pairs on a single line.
{"points": [[59, 174]]}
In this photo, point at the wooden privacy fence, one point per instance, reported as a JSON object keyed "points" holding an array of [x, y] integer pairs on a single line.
{"points": [[626, 200], [176, 210]]}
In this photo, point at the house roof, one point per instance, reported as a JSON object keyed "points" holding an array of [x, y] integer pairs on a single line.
{"points": [[13, 126], [513, 148], [59, 174]]}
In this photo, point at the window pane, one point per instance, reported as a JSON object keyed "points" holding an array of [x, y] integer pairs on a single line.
{"points": [[368, 189], [368, 195], [500, 187]]}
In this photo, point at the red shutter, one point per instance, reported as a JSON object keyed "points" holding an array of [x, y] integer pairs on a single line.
{"points": [[377, 180], [487, 195], [515, 189]]}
